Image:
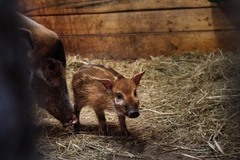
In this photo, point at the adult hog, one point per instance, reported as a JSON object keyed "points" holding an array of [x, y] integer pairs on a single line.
{"points": [[47, 69], [104, 88]]}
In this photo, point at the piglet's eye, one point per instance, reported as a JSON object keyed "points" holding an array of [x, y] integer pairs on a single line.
{"points": [[135, 93], [119, 95]]}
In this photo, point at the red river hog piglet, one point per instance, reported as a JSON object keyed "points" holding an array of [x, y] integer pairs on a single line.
{"points": [[105, 89], [47, 69]]}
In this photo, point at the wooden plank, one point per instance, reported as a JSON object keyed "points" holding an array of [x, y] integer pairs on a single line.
{"points": [[64, 7], [201, 19], [145, 45]]}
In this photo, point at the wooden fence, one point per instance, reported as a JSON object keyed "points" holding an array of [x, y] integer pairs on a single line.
{"points": [[123, 29]]}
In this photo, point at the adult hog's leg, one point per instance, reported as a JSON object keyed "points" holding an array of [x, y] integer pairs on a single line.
{"points": [[122, 122], [102, 122]]}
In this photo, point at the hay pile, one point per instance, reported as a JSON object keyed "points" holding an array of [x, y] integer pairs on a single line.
{"points": [[190, 109]]}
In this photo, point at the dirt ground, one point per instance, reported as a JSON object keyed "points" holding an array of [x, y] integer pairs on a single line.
{"points": [[52, 136], [189, 110]]}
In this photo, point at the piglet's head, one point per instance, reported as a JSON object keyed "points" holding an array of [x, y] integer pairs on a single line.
{"points": [[124, 94]]}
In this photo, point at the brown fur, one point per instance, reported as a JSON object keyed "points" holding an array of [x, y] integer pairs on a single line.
{"points": [[105, 89], [47, 66]]}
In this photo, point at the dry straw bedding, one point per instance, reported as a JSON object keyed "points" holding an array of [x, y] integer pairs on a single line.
{"points": [[190, 109]]}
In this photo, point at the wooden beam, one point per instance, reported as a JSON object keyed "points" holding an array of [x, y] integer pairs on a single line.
{"points": [[202, 19], [144, 45], [65, 7]]}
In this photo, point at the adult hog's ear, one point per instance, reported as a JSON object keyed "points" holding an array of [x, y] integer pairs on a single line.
{"points": [[108, 84], [26, 41], [136, 78]]}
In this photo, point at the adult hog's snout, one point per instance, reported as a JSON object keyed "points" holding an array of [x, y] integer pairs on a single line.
{"points": [[133, 113], [63, 112], [73, 120]]}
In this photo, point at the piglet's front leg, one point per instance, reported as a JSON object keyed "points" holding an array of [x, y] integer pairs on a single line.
{"points": [[122, 122], [77, 109], [102, 122]]}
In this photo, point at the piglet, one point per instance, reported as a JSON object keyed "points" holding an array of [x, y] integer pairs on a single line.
{"points": [[105, 89]]}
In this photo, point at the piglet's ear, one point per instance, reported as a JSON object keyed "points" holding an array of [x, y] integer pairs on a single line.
{"points": [[136, 79], [106, 82]]}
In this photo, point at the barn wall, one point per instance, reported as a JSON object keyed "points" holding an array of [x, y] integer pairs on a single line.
{"points": [[131, 29]]}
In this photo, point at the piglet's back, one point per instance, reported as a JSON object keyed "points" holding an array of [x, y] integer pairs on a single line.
{"points": [[87, 89], [85, 79], [100, 71]]}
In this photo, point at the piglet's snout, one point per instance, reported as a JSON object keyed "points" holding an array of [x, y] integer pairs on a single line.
{"points": [[133, 113]]}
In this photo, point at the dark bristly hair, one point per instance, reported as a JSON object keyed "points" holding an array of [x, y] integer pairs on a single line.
{"points": [[16, 133]]}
